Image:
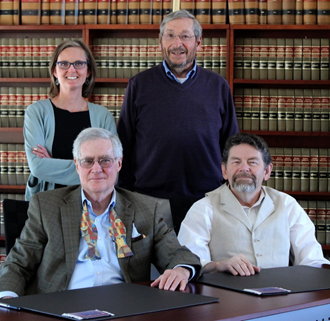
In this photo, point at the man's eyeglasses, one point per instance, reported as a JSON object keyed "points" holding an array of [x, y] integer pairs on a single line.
{"points": [[76, 65], [103, 162], [172, 37]]}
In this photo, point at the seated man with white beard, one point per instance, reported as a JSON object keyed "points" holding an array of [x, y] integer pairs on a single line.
{"points": [[243, 226]]}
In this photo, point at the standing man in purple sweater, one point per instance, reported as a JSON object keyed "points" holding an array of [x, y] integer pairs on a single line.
{"points": [[174, 122]]}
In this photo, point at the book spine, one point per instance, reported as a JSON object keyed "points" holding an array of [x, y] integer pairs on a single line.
{"points": [[35, 57], [288, 12], [4, 106], [297, 58], [12, 164], [251, 12], [280, 57], [255, 58], [133, 11], [167, 7], [157, 6], [271, 180], [219, 11], [112, 58], [12, 107], [57, 12], [279, 171], [207, 53], [135, 56], [247, 58], [299, 12], [4, 163], [238, 58], [30, 12], [215, 54], [324, 58], [325, 109], [113, 11], [45, 12], [310, 11], [323, 12], [12, 58], [264, 108], [323, 170], [203, 11], [103, 11], [272, 48], [90, 11], [143, 54], [19, 107], [255, 109], [305, 169], [287, 170], [307, 58], [274, 12], [288, 59], [247, 108], [290, 112], [236, 11], [188, 5], [146, 12], [263, 12], [96, 49], [71, 12], [327, 223], [43, 57], [127, 58], [273, 105], [223, 57], [119, 57], [296, 169], [316, 111], [4, 57], [104, 52], [238, 102], [281, 110], [20, 164], [263, 64], [314, 170], [321, 228], [315, 59], [307, 110]]}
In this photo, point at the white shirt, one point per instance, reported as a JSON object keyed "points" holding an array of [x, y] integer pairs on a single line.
{"points": [[217, 227]]}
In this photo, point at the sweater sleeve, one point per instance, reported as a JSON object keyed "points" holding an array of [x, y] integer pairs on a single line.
{"points": [[39, 128]]}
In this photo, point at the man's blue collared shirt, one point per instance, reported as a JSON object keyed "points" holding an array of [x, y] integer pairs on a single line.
{"points": [[170, 74]]}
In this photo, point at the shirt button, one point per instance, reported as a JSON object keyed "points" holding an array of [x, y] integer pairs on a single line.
{"points": [[258, 255], [255, 240]]}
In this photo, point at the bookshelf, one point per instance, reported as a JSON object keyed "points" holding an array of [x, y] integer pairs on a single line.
{"points": [[90, 32]]}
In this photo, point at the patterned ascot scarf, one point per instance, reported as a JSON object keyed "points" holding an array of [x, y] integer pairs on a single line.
{"points": [[117, 231]]}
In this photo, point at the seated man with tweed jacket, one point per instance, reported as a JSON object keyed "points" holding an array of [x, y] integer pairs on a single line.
{"points": [[94, 234]]}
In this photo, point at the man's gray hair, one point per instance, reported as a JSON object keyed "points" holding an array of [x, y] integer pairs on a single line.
{"points": [[197, 28], [94, 133]]}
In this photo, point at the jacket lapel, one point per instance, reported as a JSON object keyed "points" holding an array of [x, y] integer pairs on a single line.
{"points": [[71, 212], [126, 214], [266, 209]]}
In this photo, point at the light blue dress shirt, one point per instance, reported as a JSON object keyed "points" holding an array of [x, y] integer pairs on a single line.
{"points": [[170, 74]]}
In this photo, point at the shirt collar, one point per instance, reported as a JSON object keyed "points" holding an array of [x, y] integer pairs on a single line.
{"points": [[89, 204], [170, 74]]}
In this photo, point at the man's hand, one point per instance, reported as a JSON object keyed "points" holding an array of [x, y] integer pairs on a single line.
{"points": [[40, 151], [236, 265], [171, 279]]}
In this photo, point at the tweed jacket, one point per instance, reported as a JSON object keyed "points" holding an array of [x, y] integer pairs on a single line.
{"points": [[44, 257]]}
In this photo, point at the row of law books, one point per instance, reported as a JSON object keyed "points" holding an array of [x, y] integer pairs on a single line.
{"points": [[14, 168], [27, 57], [14, 100], [282, 58], [300, 169], [125, 57], [78, 12], [109, 97], [277, 12], [319, 213], [272, 109]]}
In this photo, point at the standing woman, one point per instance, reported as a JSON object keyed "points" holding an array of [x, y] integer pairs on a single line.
{"points": [[51, 125]]}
